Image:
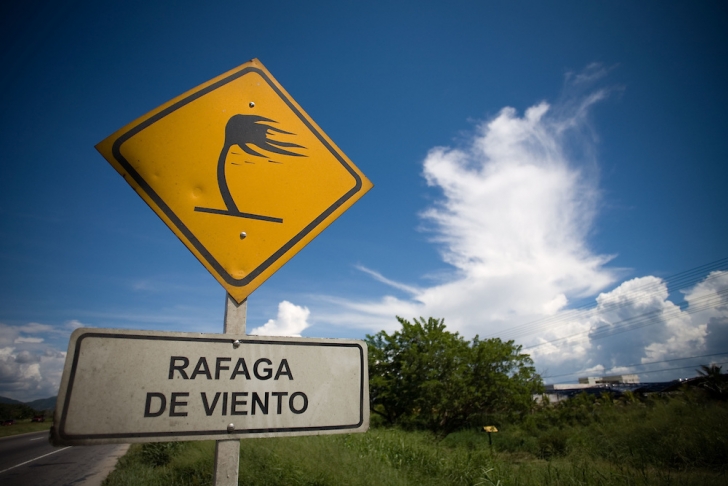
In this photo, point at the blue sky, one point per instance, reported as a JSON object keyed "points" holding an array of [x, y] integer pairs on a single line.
{"points": [[528, 158]]}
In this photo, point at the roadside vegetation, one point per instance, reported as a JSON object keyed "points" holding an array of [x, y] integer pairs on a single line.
{"points": [[17, 418], [24, 426], [425, 429], [616, 453], [425, 377]]}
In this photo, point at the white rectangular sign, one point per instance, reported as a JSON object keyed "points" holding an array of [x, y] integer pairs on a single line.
{"points": [[147, 386]]}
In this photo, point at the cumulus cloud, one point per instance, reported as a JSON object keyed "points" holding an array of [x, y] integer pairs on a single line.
{"points": [[709, 300], [25, 357], [75, 324], [291, 321], [29, 367], [518, 201], [637, 324], [516, 207], [657, 327]]}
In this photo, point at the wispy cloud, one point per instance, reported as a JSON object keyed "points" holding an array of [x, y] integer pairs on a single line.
{"points": [[35, 328], [381, 278], [22, 340]]}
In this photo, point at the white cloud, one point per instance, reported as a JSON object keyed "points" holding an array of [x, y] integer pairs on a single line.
{"points": [[593, 72], [517, 207], [291, 321], [21, 340], [709, 302], [657, 327], [8, 335], [29, 367], [26, 376], [75, 324], [381, 278], [637, 323], [35, 328], [518, 203]]}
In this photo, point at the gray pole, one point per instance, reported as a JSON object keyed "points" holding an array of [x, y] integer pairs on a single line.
{"points": [[227, 452]]}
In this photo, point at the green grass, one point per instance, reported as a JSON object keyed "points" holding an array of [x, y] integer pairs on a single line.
{"points": [[392, 457], [24, 427], [679, 441], [679, 433], [191, 463]]}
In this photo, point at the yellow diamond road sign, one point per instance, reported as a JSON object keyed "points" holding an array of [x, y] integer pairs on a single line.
{"points": [[240, 173]]}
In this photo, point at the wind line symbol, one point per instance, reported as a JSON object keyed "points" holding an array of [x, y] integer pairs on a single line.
{"points": [[246, 131]]}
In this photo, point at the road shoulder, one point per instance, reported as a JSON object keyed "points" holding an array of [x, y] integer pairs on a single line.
{"points": [[104, 468]]}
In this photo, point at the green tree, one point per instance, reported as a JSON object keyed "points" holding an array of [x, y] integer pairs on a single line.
{"points": [[17, 411], [423, 376]]}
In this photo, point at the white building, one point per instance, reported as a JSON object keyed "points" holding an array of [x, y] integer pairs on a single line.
{"points": [[563, 391], [614, 379]]}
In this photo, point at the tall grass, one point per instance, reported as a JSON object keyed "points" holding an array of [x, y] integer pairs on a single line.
{"points": [[586, 442], [677, 433], [24, 427], [188, 464]]}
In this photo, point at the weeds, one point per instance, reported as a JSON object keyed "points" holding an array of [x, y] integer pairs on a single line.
{"points": [[678, 441], [157, 454]]}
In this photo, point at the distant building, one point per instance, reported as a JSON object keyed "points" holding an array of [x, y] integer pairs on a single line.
{"points": [[591, 384], [598, 380]]}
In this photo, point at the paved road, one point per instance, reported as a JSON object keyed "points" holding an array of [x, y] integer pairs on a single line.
{"points": [[29, 459]]}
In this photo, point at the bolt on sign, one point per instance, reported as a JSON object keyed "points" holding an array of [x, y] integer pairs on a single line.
{"points": [[239, 172], [121, 386]]}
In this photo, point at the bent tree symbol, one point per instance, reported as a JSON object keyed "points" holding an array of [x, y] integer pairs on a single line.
{"points": [[247, 131]]}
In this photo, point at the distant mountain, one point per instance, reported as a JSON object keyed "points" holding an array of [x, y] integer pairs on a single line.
{"points": [[43, 404], [40, 404], [9, 400]]}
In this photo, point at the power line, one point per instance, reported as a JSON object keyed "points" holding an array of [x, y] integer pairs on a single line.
{"points": [[673, 369], [637, 322], [608, 307], [672, 283], [677, 281], [698, 305]]}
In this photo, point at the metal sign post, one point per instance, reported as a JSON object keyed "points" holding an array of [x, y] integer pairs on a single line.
{"points": [[245, 178], [227, 452]]}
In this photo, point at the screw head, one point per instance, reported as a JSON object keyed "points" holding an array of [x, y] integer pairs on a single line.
{"points": [[243, 235], [251, 104], [230, 427], [236, 343]]}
